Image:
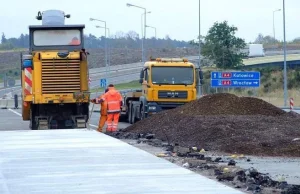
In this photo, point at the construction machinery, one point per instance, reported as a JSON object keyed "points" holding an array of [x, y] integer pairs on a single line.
{"points": [[55, 91], [166, 83]]}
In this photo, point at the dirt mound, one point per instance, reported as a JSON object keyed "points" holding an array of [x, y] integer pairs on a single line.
{"points": [[227, 123], [229, 104]]}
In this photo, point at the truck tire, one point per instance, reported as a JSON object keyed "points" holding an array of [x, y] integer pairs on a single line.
{"points": [[32, 124], [133, 115], [142, 112], [129, 113]]}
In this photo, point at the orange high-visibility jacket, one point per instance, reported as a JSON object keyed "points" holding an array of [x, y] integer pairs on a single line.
{"points": [[103, 106], [75, 42], [113, 99]]}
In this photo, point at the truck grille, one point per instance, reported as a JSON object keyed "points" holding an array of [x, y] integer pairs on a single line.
{"points": [[60, 76], [172, 94]]}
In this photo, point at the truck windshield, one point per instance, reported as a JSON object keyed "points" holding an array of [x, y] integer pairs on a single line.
{"points": [[56, 37], [173, 75]]}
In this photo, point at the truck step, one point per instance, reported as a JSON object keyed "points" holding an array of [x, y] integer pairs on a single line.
{"points": [[81, 123], [43, 124]]}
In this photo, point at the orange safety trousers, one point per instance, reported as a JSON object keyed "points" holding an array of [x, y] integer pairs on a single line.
{"points": [[102, 121], [112, 121]]}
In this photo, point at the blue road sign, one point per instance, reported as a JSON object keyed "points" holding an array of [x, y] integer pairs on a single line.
{"points": [[236, 75], [235, 83], [235, 79], [103, 83]]}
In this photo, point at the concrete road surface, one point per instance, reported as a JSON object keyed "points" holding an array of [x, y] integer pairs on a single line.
{"points": [[11, 120], [85, 161], [278, 168]]}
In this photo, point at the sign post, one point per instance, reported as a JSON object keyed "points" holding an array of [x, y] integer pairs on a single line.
{"points": [[235, 79]]}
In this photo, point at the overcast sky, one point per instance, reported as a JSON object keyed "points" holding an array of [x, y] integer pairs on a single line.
{"points": [[177, 18]]}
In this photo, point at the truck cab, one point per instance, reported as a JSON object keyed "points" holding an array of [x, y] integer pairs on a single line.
{"points": [[166, 84]]}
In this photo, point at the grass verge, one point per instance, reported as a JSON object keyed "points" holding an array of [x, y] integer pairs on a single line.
{"points": [[123, 86]]}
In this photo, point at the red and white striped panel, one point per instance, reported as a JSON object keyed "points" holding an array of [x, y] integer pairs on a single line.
{"points": [[28, 81]]}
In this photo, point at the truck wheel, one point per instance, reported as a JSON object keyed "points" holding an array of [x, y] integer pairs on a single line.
{"points": [[130, 113], [142, 112], [133, 116], [32, 124]]}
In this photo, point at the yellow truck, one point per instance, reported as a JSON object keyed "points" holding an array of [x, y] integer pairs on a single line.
{"points": [[166, 83], [55, 90]]}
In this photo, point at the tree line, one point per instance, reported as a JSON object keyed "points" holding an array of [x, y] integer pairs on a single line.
{"points": [[130, 39]]}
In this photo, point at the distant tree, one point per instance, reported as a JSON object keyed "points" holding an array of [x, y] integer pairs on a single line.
{"points": [[130, 40], [132, 35], [222, 47], [3, 39], [120, 35], [261, 39], [196, 42], [296, 40]]}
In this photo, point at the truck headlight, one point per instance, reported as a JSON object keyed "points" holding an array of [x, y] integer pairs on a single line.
{"points": [[152, 108]]}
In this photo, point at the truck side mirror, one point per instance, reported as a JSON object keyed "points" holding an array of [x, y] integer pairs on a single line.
{"points": [[140, 80], [141, 76]]}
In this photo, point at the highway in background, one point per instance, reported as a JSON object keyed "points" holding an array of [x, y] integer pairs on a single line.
{"points": [[130, 72]]}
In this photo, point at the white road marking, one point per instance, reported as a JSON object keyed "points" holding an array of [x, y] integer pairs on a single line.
{"points": [[93, 125], [3, 89], [15, 112], [21, 115]]}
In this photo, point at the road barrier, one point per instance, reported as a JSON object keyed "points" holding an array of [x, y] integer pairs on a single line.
{"points": [[10, 103], [3, 103], [291, 103]]}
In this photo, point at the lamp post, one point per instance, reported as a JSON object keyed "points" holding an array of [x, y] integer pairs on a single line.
{"points": [[109, 45], [145, 19], [155, 34], [274, 23], [106, 63], [142, 21], [153, 28], [199, 83], [284, 63]]}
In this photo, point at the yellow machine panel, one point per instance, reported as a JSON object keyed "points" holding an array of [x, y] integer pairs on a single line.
{"points": [[55, 75]]}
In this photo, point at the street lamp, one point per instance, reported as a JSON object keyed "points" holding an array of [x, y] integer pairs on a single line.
{"points": [[106, 63], [145, 13], [142, 21], [199, 83], [284, 63], [274, 24], [153, 28], [109, 45]]}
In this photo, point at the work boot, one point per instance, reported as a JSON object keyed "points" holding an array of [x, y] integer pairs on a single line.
{"points": [[99, 130]]}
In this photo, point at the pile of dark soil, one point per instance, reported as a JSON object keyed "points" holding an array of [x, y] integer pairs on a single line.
{"points": [[227, 123], [229, 104]]}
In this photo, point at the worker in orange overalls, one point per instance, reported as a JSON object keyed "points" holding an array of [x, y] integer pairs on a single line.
{"points": [[103, 112], [114, 103], [75, 41]]}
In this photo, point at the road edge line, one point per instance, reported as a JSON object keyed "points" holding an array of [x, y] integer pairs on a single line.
{"points": [[15, 112]]}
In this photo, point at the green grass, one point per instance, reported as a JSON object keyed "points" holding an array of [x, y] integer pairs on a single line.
{"points": [[130, 85]]}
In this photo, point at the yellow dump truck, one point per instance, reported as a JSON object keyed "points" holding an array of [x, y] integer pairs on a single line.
{"points": [[166, 83], [55, 74]]}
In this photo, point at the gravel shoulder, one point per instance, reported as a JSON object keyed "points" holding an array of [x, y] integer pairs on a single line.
{"points": [[246, 173]]}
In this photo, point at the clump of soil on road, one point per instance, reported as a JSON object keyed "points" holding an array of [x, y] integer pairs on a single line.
{"points": [[227, 123]]}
